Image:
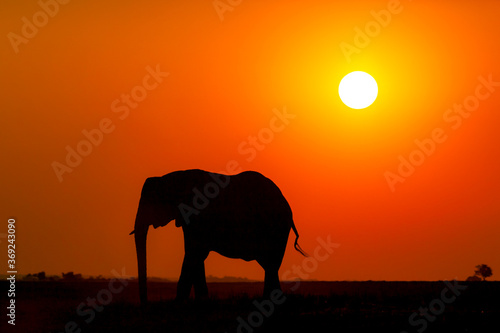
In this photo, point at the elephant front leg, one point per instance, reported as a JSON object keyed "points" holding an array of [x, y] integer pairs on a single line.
{"points": [[193, 273], [185, 280], [200, 281]]}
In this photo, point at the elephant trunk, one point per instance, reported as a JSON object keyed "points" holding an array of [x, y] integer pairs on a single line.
{"points": [[141, 233]]}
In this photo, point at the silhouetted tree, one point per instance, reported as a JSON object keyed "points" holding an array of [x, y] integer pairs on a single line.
{"points": [[483, 271], [29, 277], [34, 277], [70, 276], [473, 278]]}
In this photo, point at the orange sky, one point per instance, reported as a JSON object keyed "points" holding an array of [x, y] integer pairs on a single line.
{"points": [[225, 79]]}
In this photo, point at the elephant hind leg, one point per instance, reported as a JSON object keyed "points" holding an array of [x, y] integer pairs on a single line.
{"points": [[271, 262], [271, 282], [271, 278]]}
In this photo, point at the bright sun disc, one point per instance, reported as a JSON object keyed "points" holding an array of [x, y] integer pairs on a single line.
{"points": [[358, 90]]}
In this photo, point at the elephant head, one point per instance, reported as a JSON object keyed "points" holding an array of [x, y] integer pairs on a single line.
{"points": [[156, 208]]}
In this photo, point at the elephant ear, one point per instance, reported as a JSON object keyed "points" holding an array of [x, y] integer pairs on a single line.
{"points": [[186, 214], [154, 206], [178, 187], [151, 202], [180, 193]]}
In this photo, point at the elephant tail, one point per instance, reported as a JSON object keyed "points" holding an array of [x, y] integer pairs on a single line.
{"points": [[296, 244]]}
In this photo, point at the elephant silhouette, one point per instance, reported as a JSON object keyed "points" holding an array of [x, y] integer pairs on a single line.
{"points": [[241, 216]]}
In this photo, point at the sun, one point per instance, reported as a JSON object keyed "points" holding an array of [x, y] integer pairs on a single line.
{"points": [[358, 90]]}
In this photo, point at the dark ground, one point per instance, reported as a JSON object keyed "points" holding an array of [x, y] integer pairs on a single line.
{"points": [[312, 307]]}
